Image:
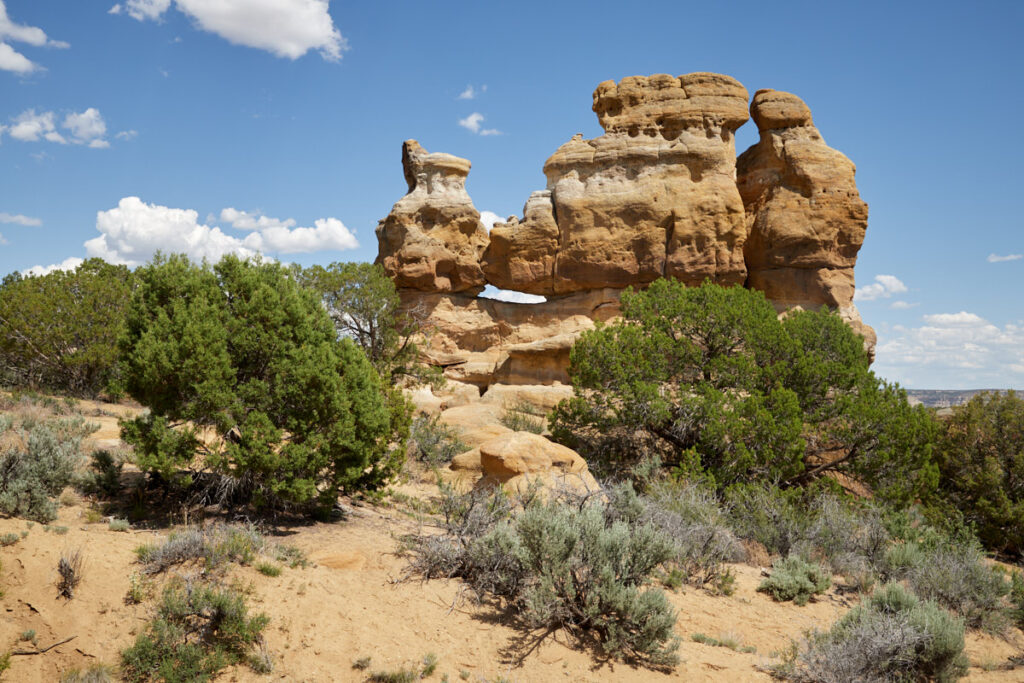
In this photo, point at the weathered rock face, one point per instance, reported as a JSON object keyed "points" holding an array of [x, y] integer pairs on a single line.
{"points": [[806, 218], [433, 239], [654, 196], [660, 193], [482, 341]]}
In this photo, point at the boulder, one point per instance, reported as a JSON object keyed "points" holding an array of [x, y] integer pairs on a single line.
{"points": [[519, 460], [433, 239]]}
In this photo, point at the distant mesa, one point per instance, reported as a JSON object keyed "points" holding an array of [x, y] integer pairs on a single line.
{"points": [[660, 194]]}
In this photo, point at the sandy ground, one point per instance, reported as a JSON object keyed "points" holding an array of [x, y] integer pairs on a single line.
{"points": [[351, 603]]}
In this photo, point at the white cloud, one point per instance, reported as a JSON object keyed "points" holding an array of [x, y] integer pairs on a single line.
{"points": [[3, 240], [327, 234], [902, 305], [285, 28], [143, 9], [133, 231], [86, 128], [243, 220], [489, 218], [276, 235], [127, 135], [69, 263], [11, 59], [954, 319], [19, 219], [30, 126], [996, 258], [470, 93], [951, 350], [491, 292], [883, 287], [472, 124]]}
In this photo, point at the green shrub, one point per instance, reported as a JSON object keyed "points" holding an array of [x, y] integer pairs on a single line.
{"points": [[104, 475], [892, 636], [60, 330], [198, 630], [37, 460], [693, 517], [523, 417], [119, 525], [268, 569], [581, 566], [796, 579], [710, 380], [982, 465], [1017, 599], [293, 414], [9, 539], [434, 442], [956, 576]]}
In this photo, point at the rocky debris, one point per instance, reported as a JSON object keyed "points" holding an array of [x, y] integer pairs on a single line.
{"points": [[433, 239], [805, 215]]}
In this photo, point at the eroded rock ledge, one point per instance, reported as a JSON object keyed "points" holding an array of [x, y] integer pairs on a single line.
{"points": [[660, 193]]}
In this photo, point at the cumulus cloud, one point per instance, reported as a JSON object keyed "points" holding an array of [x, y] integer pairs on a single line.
{"points": [[953, 350], [19, 219], [69, 263], [85, 128], [472, 124], [243, 220], [996, 258], [285, 28], [489, 218], [30, 126], [470, 93], [11, 59], [883, 287], [127, 135], [492, 292], [133, 231]]}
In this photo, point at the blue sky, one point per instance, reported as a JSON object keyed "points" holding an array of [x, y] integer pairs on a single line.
{"points": [[276, 125]]}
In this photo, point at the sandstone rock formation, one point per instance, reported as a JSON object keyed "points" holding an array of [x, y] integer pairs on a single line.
{"points": [[660, 193], [433, 239], [654, 196], [805, 216]]}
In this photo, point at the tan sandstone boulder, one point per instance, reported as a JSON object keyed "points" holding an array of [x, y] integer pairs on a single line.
{"points": [[433, 238], [806, 218], [520, 459]]}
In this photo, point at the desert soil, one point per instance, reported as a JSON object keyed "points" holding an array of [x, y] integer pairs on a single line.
{"points": [[353, 602]]}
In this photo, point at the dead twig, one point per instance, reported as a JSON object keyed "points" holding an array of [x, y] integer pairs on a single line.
{"points": [[45, 649]]}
